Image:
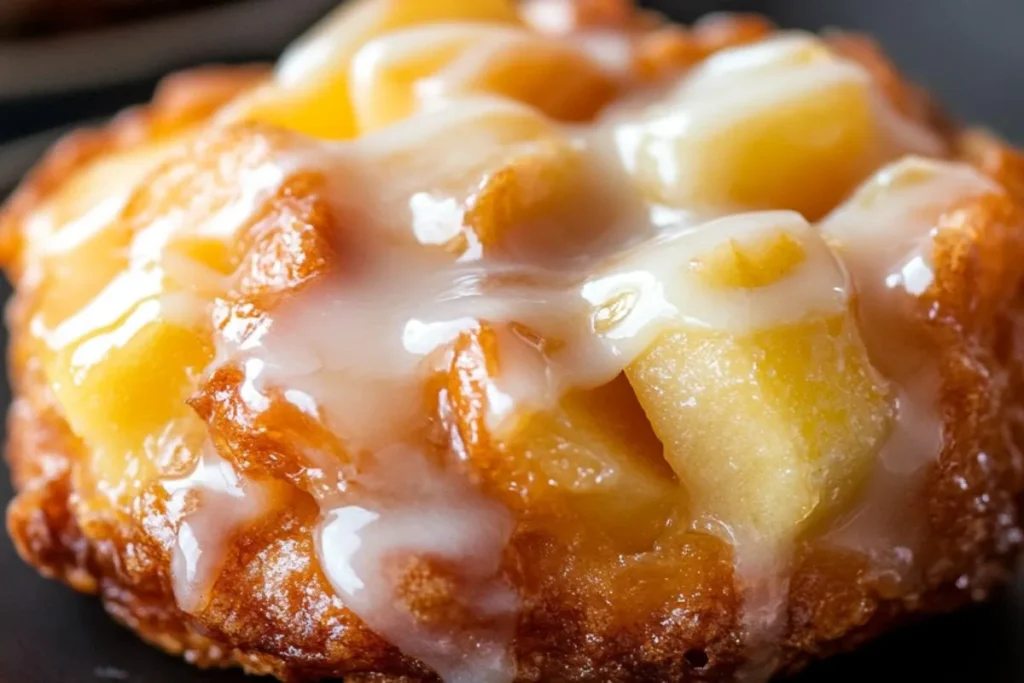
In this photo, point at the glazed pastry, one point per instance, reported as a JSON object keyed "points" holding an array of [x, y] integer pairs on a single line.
{"points": [[488, 343]]}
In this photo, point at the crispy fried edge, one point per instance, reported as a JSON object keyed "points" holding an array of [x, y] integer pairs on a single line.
{"points": [[181, 100]]}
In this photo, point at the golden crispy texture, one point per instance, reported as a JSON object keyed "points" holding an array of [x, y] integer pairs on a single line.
{"points": [[182, 100], [667, 49], [676, 614]]}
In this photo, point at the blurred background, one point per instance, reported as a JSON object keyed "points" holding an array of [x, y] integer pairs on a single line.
{"points": [[63, 62]]}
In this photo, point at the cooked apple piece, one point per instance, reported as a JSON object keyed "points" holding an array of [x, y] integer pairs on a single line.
{"points": [[813, 411], [87, 204], [541, 200], [779, 124], [886, 230], [486, 173], [142, 316], [88, 310], [597, 448], [402, 71], [751, 370], [888, 234], [310, 92], [759, 263], [101, 336], [593, 453], [133, 427]]}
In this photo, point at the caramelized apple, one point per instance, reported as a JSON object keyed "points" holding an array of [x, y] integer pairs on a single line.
{"points": [[142, 317], [890, 233], [763, 416], [778, 124], [597, 448], [501, 173], [405, 70], [758, 383], [107, 348], [311, 90], [593, 453], [886, 228]]}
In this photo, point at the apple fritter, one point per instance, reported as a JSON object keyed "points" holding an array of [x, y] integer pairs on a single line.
{"points": [[492, 343]]}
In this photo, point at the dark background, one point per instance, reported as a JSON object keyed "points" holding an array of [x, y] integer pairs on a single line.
{"points": [[968, 52]]}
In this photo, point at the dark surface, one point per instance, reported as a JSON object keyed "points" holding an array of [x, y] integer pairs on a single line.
{"points": [[970, 52]]}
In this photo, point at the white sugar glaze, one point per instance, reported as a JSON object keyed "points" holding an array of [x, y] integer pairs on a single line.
{"points": [[884, 234], [440, 517], [210, 505], [355, 349], [409, 304]]}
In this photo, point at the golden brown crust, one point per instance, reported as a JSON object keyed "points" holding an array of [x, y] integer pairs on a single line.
{"points": [[274, 612], [181, 100], [670, 48]]}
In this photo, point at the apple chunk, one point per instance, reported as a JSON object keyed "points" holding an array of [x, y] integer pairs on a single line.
{"points": [[767, 428], [589, 456], [781, 124], [597, 448], [404, 70], [752, 372], [485, 174], [311, 89]]}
